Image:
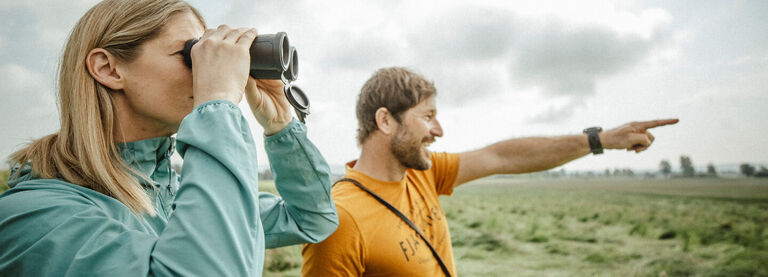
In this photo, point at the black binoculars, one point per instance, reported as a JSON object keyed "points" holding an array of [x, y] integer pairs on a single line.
{"points": [[272, 57]]}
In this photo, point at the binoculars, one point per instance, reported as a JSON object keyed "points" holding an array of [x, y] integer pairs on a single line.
{"points": [[272, 57]]}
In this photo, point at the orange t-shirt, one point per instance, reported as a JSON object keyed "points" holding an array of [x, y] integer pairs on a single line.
{"points": [[373, 241]]}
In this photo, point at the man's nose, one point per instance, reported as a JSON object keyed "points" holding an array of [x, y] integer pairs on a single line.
{"points": [[436, 129]]}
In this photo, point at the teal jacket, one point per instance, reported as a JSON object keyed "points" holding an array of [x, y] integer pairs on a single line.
{"points": [[211, 221]]}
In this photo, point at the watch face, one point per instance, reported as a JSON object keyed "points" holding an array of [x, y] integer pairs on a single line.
{"points": [[593, 129]]}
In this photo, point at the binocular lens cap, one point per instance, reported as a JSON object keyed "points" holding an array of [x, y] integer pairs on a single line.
{"points": [[297, 98]]}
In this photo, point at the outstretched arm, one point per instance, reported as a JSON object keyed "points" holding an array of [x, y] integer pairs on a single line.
{"points": [[524, 155]]}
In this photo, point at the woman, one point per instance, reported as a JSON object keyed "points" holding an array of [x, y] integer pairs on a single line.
{"points": [[99, 196]]}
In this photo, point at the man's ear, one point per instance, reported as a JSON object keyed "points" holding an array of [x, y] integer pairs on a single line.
{"points": [[385, 121], [102, 66]]}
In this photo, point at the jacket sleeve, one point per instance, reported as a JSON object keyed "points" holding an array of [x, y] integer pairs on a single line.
{"points": [[305, 211], [214, 230]]}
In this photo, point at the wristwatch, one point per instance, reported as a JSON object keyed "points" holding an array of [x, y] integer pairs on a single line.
{"points": [[594, 139]]}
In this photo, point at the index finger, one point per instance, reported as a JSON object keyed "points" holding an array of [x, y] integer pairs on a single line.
{"points": [[247, 37], [656, 123]]}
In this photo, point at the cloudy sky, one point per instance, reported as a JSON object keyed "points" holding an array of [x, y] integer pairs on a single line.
{"points": [[502, 69]]}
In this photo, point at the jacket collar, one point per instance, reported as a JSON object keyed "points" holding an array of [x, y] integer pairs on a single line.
{"points": [[148, 155]]}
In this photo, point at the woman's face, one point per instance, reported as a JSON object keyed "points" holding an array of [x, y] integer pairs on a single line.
{"points": [[157, 92]]}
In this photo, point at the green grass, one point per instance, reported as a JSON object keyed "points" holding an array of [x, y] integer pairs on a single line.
{"points": [[285, 261], [4, 180], [610, 227]]}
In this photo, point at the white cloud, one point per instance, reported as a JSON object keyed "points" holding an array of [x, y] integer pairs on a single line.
{"points": [[622, 17], [570, 62], [468, 33], [18, 80], [22, 87], [53, 19], [498, 62], [28, 110]]}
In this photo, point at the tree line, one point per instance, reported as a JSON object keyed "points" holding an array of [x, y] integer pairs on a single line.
{"points": [[687, 169]]}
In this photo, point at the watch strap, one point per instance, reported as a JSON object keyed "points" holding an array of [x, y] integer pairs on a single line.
{"points": [[593, 136]]}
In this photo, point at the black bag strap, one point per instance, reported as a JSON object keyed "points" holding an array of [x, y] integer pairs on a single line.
{"points": [[404, 218]]}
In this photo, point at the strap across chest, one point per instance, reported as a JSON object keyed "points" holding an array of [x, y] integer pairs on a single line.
{"points": [[405, 219]]}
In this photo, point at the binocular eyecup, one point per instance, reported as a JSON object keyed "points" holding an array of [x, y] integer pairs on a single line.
{"points": [[272, 57]]}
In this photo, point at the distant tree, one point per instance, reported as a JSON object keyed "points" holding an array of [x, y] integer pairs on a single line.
{"points": [[665, 168], [266, 175], [763, 172], [687, 166], [628, 172], [711, 170], [747, 169], [607, 172]]}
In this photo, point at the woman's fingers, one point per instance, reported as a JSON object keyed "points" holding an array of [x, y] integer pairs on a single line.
{"points": [[233, 35], [221, 64], [246, 38], [217, 33]]}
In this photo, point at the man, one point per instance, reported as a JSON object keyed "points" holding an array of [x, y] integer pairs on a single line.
{"points": [[396, 115]]}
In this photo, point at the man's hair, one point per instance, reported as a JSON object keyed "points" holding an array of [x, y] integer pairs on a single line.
{"points": [[395, 88]]}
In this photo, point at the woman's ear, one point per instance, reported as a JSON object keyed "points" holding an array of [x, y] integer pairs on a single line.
{"points": [[102, 66], [385, 121]]}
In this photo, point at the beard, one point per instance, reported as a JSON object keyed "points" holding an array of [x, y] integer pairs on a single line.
{"points": [[407, 149]]}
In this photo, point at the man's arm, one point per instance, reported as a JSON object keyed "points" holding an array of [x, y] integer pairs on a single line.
{"points": [[524, 155]]}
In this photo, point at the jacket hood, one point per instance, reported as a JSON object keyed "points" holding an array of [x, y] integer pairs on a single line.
{"points": [[20, 174], [146, 156]]}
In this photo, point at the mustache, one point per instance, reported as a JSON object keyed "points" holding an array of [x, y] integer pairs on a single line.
{"points": [[429, 139]]}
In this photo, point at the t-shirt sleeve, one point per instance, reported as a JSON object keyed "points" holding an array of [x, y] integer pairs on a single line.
{"points": [[341, 254], [445, 167]]}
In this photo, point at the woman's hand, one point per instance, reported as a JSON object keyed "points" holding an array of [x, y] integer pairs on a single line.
{"points": [[268, 104], [221, 61]]}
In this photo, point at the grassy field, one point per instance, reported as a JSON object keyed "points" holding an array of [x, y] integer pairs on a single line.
{"points": [[598, 227], [4, 180], [610, 227]]}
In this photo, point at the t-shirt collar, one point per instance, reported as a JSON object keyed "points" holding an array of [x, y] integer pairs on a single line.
{"points": [[365, 179]]}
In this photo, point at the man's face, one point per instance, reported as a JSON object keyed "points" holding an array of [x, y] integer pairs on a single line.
{"points": [[417, 131]]}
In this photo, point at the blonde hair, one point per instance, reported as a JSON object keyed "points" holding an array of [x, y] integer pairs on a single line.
{"points": [[83, 151]]}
